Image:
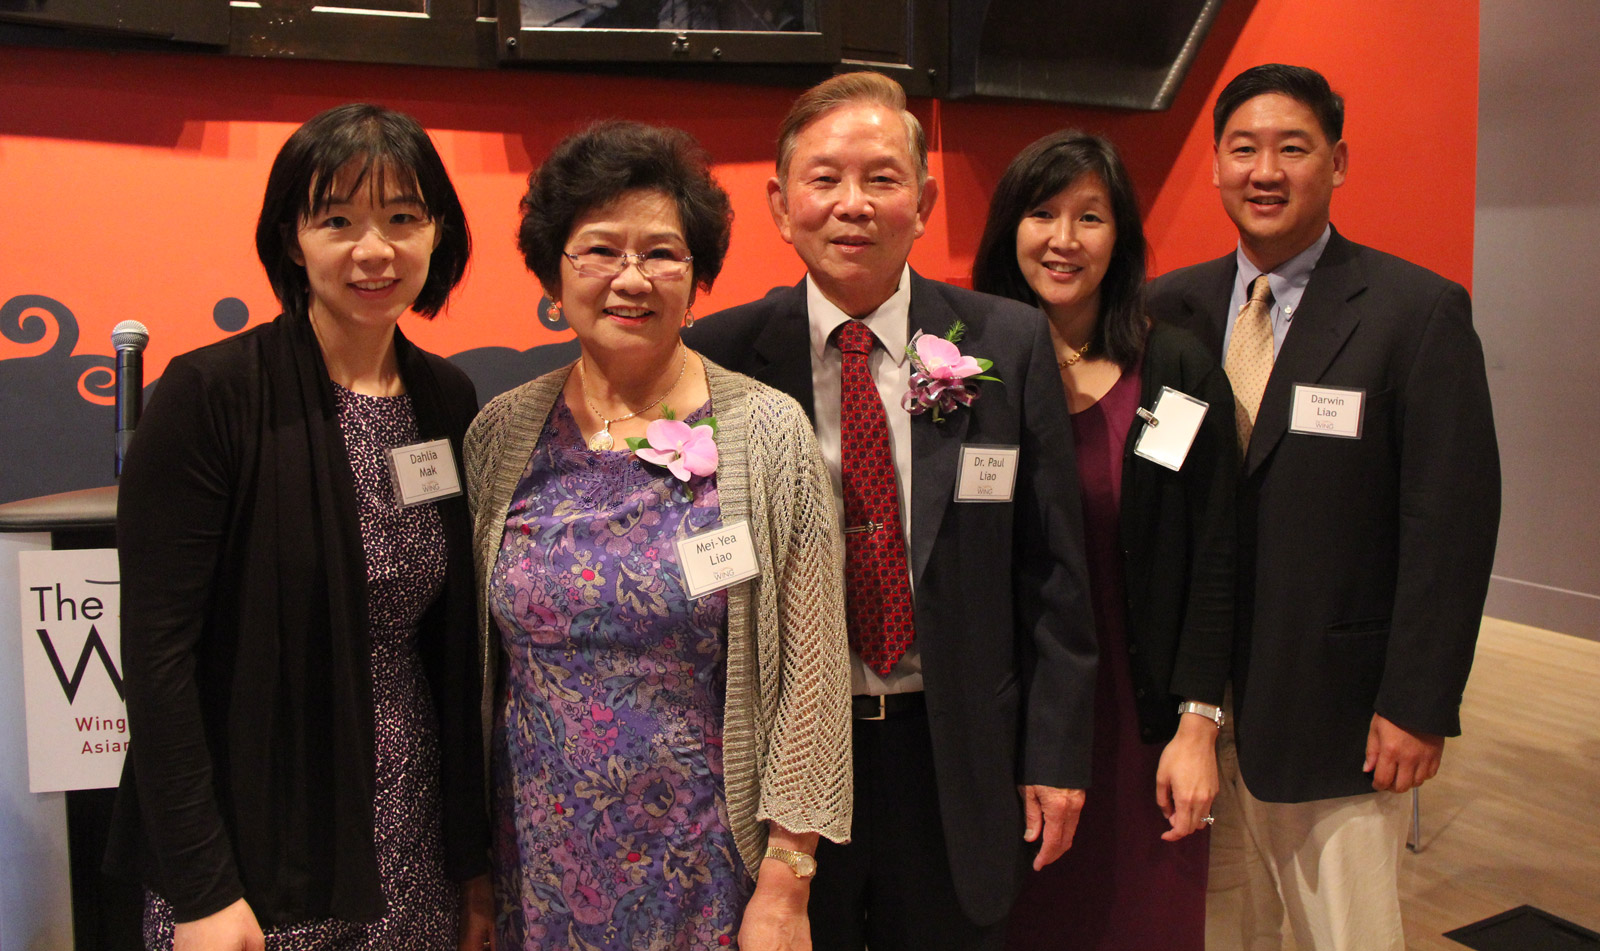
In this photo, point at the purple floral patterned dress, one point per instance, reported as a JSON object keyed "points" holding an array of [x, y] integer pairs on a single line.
{"points": [[611, 823]]}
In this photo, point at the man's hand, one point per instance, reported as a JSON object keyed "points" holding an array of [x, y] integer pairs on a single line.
{"points": [[1052, 820], [1398, 759]]}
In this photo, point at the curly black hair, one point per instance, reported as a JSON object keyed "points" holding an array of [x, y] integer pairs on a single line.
{"points": [[592, 167]]}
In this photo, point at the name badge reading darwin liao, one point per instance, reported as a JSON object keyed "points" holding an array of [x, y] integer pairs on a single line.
{"points": [[716, 558], [424, 472], [988, 473], [1326, 411]]}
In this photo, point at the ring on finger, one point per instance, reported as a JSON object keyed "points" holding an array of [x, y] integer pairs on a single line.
{"points": [[1209, 820]]}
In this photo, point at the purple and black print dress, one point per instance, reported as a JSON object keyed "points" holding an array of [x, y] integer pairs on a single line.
{"points": [[611, 822], [405, 555]]}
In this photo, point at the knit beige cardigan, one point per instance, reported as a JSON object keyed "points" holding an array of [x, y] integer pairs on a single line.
{"points": [[786, 724]]}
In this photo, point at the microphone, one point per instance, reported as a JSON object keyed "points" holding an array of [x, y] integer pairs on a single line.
{"points": [[128, 339]]}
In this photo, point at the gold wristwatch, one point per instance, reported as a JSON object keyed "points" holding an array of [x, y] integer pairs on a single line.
{"points": [[803, 865]]}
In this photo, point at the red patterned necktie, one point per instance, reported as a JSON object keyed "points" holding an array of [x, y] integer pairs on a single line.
{"points": [[877, 583]]}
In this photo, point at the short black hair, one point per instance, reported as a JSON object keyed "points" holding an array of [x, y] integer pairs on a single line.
{"points": [[382, 143], [590, 168], [1300, 83], [1040, 171]]}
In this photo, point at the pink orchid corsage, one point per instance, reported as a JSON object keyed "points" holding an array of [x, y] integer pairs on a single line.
{"points": [[685, 451], [942, 377]]}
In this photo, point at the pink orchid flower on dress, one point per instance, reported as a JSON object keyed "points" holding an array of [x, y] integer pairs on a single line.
{"points": [[684, 450]]}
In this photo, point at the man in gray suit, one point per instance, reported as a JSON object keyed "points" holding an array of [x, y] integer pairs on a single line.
{"points": [[1369, 508], [973, 728]]}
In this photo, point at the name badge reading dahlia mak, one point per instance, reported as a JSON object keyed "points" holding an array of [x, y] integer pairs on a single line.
{"points": [[424, 472], [1326, 411], [715, 559], [988, 473]]}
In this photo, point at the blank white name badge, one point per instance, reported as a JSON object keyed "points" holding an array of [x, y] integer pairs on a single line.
{"points": [[1170, 427], [424, 472], [714, 559], [1326, 411], [988, 473]]}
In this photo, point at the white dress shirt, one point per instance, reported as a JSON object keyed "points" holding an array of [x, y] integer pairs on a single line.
{"points": [[891, 370]]}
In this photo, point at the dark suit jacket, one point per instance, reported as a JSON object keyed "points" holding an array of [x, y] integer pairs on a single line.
{"points": [[1002, 610], [1179, 543], [1364, 563]]}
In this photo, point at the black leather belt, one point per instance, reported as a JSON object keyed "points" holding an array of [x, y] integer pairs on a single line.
{"points": [[888, 706]]}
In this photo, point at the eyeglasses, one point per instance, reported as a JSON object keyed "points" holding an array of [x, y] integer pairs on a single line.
{"points": [[658, 265]]}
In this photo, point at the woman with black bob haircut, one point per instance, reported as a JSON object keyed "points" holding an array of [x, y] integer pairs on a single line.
{"points": [[1064, 234], [297, 610], [663, 754]]}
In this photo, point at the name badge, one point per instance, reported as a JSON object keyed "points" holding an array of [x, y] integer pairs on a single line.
{"points": [[1326, 411], [988, 473], [1170, 427], [424, 472], [714, 559]]}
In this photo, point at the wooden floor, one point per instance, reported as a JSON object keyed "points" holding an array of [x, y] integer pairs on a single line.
{"points": [[1513, 817]]}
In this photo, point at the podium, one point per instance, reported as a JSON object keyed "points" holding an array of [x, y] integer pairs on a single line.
{"points": [[50, 874]]}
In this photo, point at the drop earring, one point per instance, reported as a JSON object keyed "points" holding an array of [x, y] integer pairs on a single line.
{"points": [[688, 319], [554, 310]]}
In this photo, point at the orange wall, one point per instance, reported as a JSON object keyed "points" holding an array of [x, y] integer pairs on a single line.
{"points": [[129, 183]]}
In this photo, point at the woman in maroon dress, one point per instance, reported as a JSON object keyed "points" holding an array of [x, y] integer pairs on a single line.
{"points": [[1064, 233]]}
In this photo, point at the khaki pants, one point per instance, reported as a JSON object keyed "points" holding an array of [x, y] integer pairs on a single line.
{"points": [[1330, 866]]}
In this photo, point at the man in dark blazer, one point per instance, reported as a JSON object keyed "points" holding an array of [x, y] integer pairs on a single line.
{"points": [[1369, 507], [979, 736]]}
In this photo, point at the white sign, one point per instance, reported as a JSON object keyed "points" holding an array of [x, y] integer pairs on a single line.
{"points": [[72, 668], [424, 472], [988, 473], [1170, 428], [1326, 411], [714, 559]]}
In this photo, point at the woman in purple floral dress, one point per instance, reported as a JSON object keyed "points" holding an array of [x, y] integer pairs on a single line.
{"points": [[662, 759]]}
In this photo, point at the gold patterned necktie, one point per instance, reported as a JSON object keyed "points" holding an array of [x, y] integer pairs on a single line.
{"points": [[1249, 360]]}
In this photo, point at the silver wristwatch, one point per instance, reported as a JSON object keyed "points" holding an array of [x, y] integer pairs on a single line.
{"points": [[1210, 711]]}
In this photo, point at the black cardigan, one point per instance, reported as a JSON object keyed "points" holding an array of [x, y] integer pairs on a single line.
{"points": [[245, 642], [1179, 542]]}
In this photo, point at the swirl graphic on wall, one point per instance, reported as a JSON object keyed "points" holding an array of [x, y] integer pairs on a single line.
{"points": [[55, 408]]}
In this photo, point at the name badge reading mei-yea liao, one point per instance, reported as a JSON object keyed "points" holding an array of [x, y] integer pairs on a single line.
{"points": [[717, 558], [1327, 411], [424, 472], [988, 473]]}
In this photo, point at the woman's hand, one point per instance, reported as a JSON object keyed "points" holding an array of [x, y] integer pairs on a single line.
{"points": [[1186, 779], [775, 919], [477, 915], [233, 928]]}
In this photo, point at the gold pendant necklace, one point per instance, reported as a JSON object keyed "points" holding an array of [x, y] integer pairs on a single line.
{"points": [[602, 440], [1073, 356]]}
